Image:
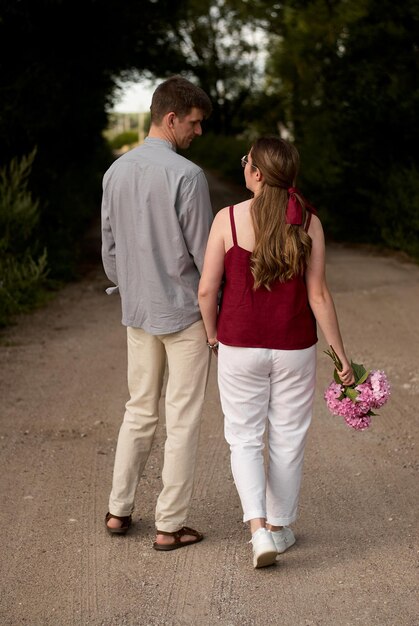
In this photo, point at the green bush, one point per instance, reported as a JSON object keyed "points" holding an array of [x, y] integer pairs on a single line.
{"points": [[219, 153], [127, 138], [397, 210], [21, 275]]}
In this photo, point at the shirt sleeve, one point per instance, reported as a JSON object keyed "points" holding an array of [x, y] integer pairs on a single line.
{"points": [[195, 217], [108, 241]]}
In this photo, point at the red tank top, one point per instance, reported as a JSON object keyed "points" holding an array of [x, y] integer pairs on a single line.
{"points": [[279, 319]]}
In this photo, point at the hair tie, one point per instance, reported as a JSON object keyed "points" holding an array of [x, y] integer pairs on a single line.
{"points": [[294, 212]]}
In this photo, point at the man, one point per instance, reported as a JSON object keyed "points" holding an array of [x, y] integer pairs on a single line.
{"points": [[156, 216]]}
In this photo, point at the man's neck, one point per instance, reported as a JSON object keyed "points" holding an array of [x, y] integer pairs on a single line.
{"points": [[159, 132]]}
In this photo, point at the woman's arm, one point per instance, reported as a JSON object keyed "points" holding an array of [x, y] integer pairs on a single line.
{"points": [[321, 301], [212, 275]]}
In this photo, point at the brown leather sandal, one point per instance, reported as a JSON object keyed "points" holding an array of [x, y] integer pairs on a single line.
{"points": [[178, 543], [126, 523]]}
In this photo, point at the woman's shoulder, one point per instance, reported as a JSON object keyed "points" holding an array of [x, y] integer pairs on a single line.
{"points": [[243, 206], [315, 230], [223, 215], [315, 223], [221, 222]]}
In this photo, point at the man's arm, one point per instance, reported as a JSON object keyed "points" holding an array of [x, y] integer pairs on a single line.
{"points": [[108, 241], [195, 217]]}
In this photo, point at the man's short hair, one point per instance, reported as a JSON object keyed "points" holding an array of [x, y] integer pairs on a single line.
{"points": [[179, 95]]}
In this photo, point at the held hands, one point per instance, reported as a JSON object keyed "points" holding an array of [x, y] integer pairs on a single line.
{"points": [[212, 344]]}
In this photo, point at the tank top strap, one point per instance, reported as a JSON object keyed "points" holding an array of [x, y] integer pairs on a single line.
{"points": [[233, 225]]}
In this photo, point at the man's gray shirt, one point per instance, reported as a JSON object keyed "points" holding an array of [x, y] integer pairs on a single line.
{"points": [[156, 217]]}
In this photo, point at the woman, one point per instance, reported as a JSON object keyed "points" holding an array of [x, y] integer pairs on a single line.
{"points": [[269, 252]]}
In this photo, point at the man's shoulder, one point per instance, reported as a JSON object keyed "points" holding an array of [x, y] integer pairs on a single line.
{"points": [[157, 158], [184, 164], [168, 158]]}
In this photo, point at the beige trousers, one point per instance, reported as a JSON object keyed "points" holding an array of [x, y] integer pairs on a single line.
{"points": [[187, 357]]}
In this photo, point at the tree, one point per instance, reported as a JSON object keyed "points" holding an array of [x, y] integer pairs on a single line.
{"points": [[377, 95], [22, 266], [60, 61], [345, 77], [222, 52]]}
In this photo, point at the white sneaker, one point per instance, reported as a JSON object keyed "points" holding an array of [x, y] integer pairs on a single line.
{"points": [[264, 549], [283, 539]]}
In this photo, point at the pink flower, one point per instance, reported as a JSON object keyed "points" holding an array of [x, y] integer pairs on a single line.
{"points": [[331, 396], [343, 406], [355, 402], [359, 423], [380, 388], [365, 398]]}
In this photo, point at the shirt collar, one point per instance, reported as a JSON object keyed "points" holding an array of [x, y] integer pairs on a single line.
{"points": [[155, 141]]}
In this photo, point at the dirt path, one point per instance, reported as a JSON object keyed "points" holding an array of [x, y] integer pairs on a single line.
{"points": [[63, 388]]}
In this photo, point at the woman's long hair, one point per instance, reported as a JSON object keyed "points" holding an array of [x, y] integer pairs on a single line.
{"points": [[281, 250]]}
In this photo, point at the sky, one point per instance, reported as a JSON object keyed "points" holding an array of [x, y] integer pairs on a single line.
{"points": [[135, 98]]}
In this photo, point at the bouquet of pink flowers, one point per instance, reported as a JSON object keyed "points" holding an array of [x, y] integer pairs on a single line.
{"points": [[354, 403]]}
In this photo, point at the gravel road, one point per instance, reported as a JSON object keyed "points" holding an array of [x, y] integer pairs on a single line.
{"points": [[63, 388]]}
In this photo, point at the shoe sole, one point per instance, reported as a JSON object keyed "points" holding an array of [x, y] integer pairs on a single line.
{"points": [[117, 531], [175, 546], [265, 559]]}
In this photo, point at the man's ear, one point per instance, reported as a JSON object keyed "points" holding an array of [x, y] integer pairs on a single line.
{"points": [[170, 119]]}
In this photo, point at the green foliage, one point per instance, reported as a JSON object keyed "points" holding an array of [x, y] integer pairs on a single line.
{"points": [[341, 79], [344, 76], [21, 275], [220, 153], [18, 212], [397, 215], [55, 94], [126, 138], [221, 51]]}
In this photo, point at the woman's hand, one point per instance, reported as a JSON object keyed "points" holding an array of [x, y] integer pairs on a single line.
{"points": [[346, 375]]}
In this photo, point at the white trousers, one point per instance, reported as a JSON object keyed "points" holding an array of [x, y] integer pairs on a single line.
{"points": [[188, 359], [268, 391]]}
